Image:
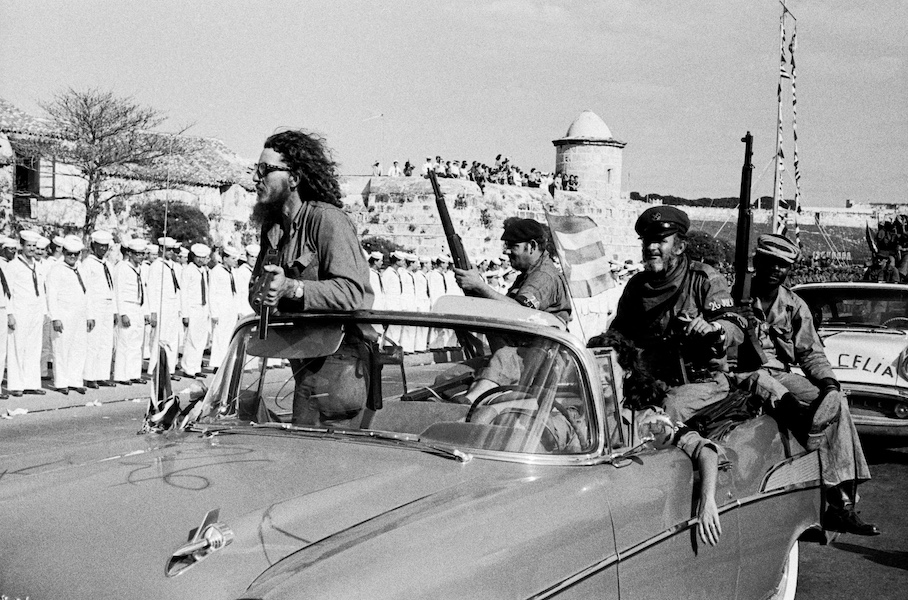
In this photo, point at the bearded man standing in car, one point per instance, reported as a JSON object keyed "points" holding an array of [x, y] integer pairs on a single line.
{"points": [[679, 315], [319, 266], [812, 404]]}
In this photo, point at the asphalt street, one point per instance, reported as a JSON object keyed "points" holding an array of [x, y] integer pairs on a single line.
{"points": [[849, 567]]}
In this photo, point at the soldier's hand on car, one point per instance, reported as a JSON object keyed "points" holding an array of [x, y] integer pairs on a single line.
{"points": [[124, 322], [468, 279], [58, 325]]}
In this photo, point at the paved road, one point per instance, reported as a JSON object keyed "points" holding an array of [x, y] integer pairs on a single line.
{"points": [[850, 567]]}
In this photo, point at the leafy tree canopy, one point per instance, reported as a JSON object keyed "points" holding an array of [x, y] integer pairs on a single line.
{"points": [[185, 223]]}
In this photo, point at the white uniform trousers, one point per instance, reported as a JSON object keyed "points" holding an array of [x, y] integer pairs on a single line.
{"points": [[4, 335], [167, 333], [47, 354], [128, 356], [220, 338], [23, 368], [196, 340], [69, 349], [99, 347]]}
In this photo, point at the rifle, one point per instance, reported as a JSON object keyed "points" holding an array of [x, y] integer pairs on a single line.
{"points": [[257, 297], [458, 254], [751, 351]]}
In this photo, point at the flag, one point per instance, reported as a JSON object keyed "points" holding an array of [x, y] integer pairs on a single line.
{"points": [[582, 254]]}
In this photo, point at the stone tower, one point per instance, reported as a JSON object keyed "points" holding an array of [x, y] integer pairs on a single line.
{"points": [[589, 151]]}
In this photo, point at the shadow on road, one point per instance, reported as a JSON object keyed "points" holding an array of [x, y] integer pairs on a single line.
{"points": [[878, 454], [897, 559]]}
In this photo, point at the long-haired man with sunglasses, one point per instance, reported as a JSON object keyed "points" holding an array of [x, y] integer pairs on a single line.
{"points": [[320, 265]]}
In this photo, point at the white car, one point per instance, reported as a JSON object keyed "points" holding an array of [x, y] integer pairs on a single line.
{"points": [[864, 327]]}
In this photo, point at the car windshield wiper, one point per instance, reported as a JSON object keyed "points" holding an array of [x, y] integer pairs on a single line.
{"points": [[407, 440]]}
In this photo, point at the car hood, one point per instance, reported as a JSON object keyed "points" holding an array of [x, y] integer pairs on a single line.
{"points": [[870, 356], [311, 518]]}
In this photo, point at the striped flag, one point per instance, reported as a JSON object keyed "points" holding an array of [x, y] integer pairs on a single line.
{"points": [[582, 254]]}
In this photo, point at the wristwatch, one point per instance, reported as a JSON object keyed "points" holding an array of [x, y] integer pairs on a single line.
{"points": [[298, 290]]}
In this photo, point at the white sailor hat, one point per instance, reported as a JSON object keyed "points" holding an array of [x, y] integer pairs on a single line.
{"points": [[168, 242], [134, 244], [152, 248], [43, 242], [71, 243], [231, 251], [399, 255], [411, 257], [30, 237], [58, 241], [443, 259], [102, 237], [376, 255], [8, 242], [184, 251], [253, 249], [200, 250]]}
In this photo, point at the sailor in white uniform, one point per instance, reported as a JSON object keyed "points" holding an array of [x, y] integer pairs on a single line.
{"points": [[375, 261], [243, 276], [225, 304], [196, 310], [163, 287], [5, 295], [391, 287], [131, 300], [421, 287], [70, 315], [98, 277], [25, 318], [408, 301]]}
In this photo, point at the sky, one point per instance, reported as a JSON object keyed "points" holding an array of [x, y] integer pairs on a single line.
{"points": [[680, 82]]}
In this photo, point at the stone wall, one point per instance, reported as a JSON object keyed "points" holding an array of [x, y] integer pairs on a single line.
{"points": [[403, 210]]}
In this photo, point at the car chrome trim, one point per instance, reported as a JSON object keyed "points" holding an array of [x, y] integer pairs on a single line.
{"points": [[803, 468]]}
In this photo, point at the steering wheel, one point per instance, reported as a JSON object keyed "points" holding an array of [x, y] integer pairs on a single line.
{"points": [[520, 392], [486, 397], [887, 322]]}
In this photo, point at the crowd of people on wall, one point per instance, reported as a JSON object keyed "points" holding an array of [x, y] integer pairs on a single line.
{"points": [[501, 172], [82, 317]]}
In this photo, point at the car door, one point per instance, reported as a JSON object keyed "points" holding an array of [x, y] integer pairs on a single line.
{"points": [[653, 499]]}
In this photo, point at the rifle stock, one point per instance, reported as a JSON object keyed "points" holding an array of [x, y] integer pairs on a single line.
{"points": [[458, 253]]}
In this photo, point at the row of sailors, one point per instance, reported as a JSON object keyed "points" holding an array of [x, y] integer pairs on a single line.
{"points": [[411, 283], [99, 312]]}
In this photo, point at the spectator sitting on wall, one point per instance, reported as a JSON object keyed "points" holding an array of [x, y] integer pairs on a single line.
{"points": [[408, 169], [395, 171], [439, 167], [427, 166], [376, 169]]}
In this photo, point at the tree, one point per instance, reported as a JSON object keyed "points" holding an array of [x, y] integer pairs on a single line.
{"points": [[185, 223], [110, 142]]}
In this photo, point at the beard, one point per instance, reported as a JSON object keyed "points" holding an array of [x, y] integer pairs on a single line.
{"points": [[267, 209], [658, 263]]}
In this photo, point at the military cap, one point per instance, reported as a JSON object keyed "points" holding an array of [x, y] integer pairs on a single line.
{"points": [[523, 230], [778, 246], [376, 255], [57, 241], [167, 242], [662, 221], [253, 249], [135, 245], [43, 242], [71, 244], [231, 251]]}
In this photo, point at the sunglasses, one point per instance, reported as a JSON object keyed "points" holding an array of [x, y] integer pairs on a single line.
{"points": [[261, 170]]}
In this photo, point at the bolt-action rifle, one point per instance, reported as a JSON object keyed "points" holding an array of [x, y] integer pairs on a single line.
{"points": [[750, 353], [458, 254]]}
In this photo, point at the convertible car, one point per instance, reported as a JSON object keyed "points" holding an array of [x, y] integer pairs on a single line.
{"points": [[864, 327], [545, 487]]}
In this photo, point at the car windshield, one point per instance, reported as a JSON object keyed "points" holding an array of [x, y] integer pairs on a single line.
{"points": [[858, 306], [344, 376]]}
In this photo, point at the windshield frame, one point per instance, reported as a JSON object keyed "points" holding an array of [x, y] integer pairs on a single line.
{"points": [[588, 370]]}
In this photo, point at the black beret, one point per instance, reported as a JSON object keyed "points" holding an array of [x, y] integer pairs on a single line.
{"points": [[662, 221], [523, 230]]}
